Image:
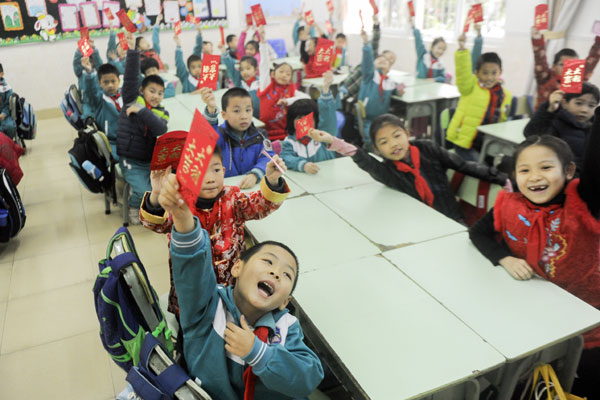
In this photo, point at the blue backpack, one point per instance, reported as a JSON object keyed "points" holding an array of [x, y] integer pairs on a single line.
{"points": [[126, 304], [72, 107], [24, 117], [12, 212]]}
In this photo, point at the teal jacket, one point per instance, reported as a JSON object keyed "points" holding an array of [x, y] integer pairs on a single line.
{"points": [[375, 102], [112, 47], [296, 154], [183, 74], [236, 77], [286, 367], [103, 109]]}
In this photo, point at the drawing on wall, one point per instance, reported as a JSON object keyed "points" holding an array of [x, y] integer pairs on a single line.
{"points": [[217, 9], [36, 7], [114, 6], [201, 8], [89, 15], [69, 20], [11, 16], [171, 9], [46, 27], [152, 7]]}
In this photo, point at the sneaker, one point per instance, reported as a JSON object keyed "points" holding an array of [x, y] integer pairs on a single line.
{"points": [[134, 216]]}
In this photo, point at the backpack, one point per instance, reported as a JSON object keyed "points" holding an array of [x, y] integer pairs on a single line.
{"points": [[24, 117], [72, 107], [126, 304], [12, 212], [91, 160]]}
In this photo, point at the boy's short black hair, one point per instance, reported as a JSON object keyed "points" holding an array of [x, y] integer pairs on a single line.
{"points": [[1, 68], [229, 38], [299, 109], [107, 69], [254, 44], [218, 152], [152, 79], [491, 57], [233, 92], [560, 147], [586, 88], [250, 60], [340, 36], [206, 42], [147, 63], [383, 120], [437, 40], [137, 42], [248, 253], [191, 59], [299, 30], [566, 52]]}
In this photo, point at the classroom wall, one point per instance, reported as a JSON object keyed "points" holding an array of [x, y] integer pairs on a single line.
{"points": [[42, 72]]}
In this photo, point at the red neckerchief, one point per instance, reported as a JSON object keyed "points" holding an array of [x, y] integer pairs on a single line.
{"points": [[494, 95], [249, 81], [115, 100], [383, 78], [421, 185], [262, 332], [433, 61], [305, 140], [536, 237]]}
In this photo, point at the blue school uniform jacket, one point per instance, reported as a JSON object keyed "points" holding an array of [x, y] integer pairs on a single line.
{"points": [[112, 47], [8, 125], [236, 77], [375, 103], [103, 108], [286, 367], [240, 155], [188, 82], [296, 154]]}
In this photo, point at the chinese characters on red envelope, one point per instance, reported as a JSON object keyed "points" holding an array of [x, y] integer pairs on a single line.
{"points": [[249, 19], [209, 76], [84, 32], [177, 28], [468, 21], [477, 13], [324, 54], [125, 21], [411, 8], [85, 47], [195, 158], [167, 150], [572, 77], [257, 13], [123, 41], [308, 16], [109, 15], [541, 17], [304, 125]]}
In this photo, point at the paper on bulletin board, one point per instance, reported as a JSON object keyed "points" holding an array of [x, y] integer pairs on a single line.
{"points": [[201, 8], [75, 3], [217, 9], [35, 7], [171, 9], [113, 6], [133, 4], [69, 19], [152, 7], [89, 15], [11, 16]]}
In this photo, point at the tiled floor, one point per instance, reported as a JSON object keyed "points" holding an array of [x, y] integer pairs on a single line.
{"points": [[49, 345]]}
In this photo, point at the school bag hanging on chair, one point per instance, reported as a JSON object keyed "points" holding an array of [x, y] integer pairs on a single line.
{"points": [[546, 386], [12, 212], [24, 117], [126, 304], [72, 107]]}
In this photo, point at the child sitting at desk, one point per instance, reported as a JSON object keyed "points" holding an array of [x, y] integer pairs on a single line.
{"points": [[567, 116], [221, 210], [276, 92], [149, 66], [417, 167], [241, 142], [483, 100], [114, 53], [244, 78], [339, 56], [548, 78], [232, 41], [301, 33], [551, 228], [252, 48], [144, 48], [189, 76], [303, 154], [218, 322]]}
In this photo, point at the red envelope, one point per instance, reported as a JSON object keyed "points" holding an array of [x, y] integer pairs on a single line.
{"points": [[411, 8], [222, 35], [329, 5], [329, 26], [249, 19], [123, 41], [177, 28], [125, 21], [477, 12], [362, 23], [109, 14], [310, 20], [258, 15], [195, 158], [375, 8], [541, 17], [197, 20], [84, 32], [85, 47], [324, 54], [167, 150], [209, 76], [468, 21], [304, 125], [572, 76]]}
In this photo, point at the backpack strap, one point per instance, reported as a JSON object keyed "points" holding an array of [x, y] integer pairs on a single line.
{"points": [[123, 260], [172, 378]]}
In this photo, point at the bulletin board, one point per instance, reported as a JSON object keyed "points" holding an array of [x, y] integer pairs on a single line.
{"points": [[26, 21]]}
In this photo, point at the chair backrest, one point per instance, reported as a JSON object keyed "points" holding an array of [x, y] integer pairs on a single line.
{"points": [[279, 46], [524, 106], [445, 117]]}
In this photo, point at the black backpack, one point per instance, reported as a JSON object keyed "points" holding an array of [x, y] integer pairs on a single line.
{"points": [[24, 117], [12, 212], [91, 160]]}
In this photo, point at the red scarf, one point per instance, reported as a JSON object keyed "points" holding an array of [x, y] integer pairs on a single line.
{"points": [[262, 332], [383, 78], [496, 99], [421, 185], [115, 100], [433, 61], [536, 236], [249, 81]]}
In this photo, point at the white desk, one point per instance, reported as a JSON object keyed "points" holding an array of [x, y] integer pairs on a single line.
{"points": [[295, 190], [518, 318], [388, 217], [339, 173], [180, 117], [294, 62], [502, 138], [316, 234], [392, 337], [318, 82]]}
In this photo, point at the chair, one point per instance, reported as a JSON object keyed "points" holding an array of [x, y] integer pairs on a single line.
{"points": [[521, 107], [279, 46], [125, 195], [445, 117]]}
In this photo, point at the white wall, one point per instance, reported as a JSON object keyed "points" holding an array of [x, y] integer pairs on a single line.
{"points": [[42, 72]]}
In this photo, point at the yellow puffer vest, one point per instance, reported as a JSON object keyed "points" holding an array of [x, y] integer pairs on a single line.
{"points": [[472, 105]]}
